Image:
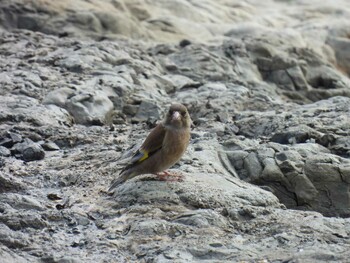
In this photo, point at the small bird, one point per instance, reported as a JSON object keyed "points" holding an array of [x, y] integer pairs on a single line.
{"points": [[163, 147]]}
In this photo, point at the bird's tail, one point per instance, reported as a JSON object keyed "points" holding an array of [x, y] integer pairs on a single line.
{"points": [[124, 175]]}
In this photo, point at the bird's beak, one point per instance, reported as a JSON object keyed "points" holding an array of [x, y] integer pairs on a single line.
{"points": [[176, 115]]}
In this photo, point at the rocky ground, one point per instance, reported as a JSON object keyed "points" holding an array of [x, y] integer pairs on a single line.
{"points": [[267, 172]]}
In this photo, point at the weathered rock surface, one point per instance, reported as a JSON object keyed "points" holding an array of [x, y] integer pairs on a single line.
{"points": [[267, 172]]}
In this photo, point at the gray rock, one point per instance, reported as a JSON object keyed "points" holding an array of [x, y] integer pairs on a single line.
{"points": [[29, 150], [193, 193], [298, 177], [324, 77], [201, 218], [173, 83], [341, 47], [15, 137], [6, 142], [119, 23], [9, 183], [63, 259], [31, 21], [50, 146], [13, 239], [89, 108], [8, 256], [32, 152], [148, 111], [4, 151], [341, 146], [9, 139], [27, 220], [86, 20], [293, 135], [270, 104], [58, 97], [28, 110], [22, 202], [252, 166], [331, 184]]}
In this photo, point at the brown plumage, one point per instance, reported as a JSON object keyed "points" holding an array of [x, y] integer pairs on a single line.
{"points": [[162, 148]]}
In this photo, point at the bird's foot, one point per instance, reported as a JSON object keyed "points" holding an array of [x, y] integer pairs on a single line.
{"points": [[170, 176]]}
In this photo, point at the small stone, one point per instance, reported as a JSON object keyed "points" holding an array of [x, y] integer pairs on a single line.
{"points": [[15, 137], [223, 117], [130, 110], [33, 152], [230, 128], [4, 151], [6, 142], [148, 111], [30, 151], [184, 43], [50, 146], [89, 107]]}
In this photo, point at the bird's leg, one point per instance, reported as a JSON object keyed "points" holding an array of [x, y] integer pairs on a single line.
{"points": [[161, 176], [168, 176]]}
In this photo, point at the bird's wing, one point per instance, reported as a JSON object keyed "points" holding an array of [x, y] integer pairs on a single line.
{"points": [[152, 144]]}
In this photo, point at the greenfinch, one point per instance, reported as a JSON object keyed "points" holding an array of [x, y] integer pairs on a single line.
{"points": [[162, 148]]}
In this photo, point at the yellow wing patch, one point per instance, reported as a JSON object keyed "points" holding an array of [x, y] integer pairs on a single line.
{"points": [[144, 156], [140, 156]]}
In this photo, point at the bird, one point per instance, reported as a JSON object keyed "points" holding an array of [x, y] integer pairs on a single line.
{"points": [[162, 148]]}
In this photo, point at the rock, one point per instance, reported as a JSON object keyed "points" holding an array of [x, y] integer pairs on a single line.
{"points": [[172, 83], [27, 220], [50, 146], [9, 256], [148, 111], [325, 78], [201, 218], [26, 109], [22, 202], [130, 110], [119, 23], [63, 259], [266, 174], [10, 183], [89, 108], [76, 63], [326, 177], [13, 239], [252, 166], [29, 150], [185, 42], [341, 147], [6, 142], [58, 97], [293, 135], [299, 175], [9, 139], [32, 152], [4, 151], [192, 193], [119, 85], [15, 137], [87, 20], [341, 47], [203, 64], [30, 22]]}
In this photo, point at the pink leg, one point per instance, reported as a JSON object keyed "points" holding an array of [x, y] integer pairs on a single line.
{"points": [[170, 177]]}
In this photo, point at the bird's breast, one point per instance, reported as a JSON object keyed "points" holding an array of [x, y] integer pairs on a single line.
{"points": [[175, 144]]}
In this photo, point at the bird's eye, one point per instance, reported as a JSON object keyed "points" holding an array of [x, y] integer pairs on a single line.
{"points": [[183, 113]]}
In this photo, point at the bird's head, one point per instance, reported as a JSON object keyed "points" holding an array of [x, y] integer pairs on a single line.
{"points": [[178, 117]]}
